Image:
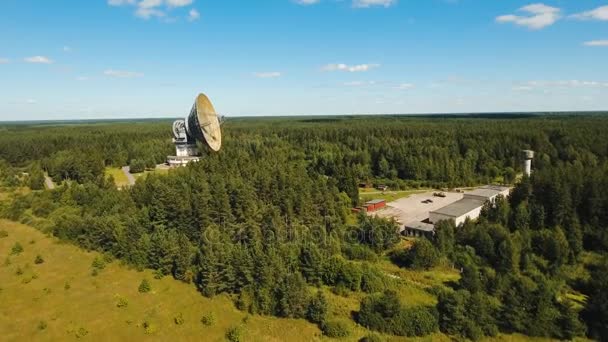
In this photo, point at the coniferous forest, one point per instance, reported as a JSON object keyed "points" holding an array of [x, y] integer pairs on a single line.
{"points": [[268, 219]]}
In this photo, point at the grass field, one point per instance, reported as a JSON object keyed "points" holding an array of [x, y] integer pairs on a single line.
{"points": [[120, 179], [61, 299], [389, 196]]}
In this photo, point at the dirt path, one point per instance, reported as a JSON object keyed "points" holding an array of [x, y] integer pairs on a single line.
{"points": [[127, 171], [49, 182]]}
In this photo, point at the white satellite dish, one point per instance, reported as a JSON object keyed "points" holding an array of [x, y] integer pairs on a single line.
{"points": [[203, 124]]}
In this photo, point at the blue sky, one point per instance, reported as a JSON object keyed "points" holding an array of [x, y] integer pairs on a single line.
{"points": [[75, 59]]}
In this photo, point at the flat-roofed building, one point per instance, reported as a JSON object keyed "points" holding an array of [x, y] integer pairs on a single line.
{"points": [[488, 193], [458, 211]]}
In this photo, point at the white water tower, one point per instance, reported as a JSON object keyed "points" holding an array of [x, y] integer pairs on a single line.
{"points": [[528, 156]]}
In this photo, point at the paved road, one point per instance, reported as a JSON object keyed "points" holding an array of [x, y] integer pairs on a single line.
{"points": [[127, 171], [49, 182]]}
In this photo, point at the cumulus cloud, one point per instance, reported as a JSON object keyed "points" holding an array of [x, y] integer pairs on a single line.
{"points": [[371, 3], [120, 2], [534, 16], [350, 68], [147, 9], [359, 83], [565, 84], [179, 3], [596, 43], [39, 60], [405, 86], [269, 74], [122, 73], [193, 15], [600, 13], [306, 2]]}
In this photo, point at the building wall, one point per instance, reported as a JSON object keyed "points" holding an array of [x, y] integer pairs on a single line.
{"points": [[473, 215]]}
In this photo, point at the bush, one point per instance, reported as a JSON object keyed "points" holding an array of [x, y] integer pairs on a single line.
{"points": [[422, 256], [179, 319], [38, 260], [144, 286], [371, 338], [317, 308], [335, 329], [3, 233], [137, 166], [42, 325], [17, 249], [98, 263], [234, 334], [208, 319], [122, 302]]}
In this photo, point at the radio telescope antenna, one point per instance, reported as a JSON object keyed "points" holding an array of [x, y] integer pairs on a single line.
{"points": [[202, 124]]}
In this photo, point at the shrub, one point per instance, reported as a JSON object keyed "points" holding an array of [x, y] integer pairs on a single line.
{"points": [[81, 332], [208, 319], [317, 308], [144, 286], [179, 319], [3, 233], [19, 271], [66, 286], [39, 260], [234, 334], [17, 248], [335, 329], [371, 338], [149, 327], [122, 302], [98, 263], [42, 325]]}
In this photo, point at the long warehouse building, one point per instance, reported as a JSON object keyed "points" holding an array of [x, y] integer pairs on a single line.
{"points": [[469, 206]]}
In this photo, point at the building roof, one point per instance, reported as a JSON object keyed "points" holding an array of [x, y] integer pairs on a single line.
{"points": [[488, 191], [460, 207], [417, 225], [376, 201]]}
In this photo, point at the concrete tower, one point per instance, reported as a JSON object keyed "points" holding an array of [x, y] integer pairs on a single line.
{"points": [[528, 156]]}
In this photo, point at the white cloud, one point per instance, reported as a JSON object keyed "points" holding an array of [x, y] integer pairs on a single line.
{"points": [[359, 83], [270, 74], [370, 3], [147, 9], [537, 16], [564, 84], [120, 2], [193, 15], [147, 13], [39, 60], [405, 86], [350, 68], [4, 61], [600, 13], [31, 101], [307, 2], [523, 88], [122, 73], [150, 3], [596, 43], [179, 3]]}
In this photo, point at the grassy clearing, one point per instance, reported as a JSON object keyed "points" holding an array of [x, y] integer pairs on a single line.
{"points": [[147, 172], [120, 179], [389, 196], [60, 300]]}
